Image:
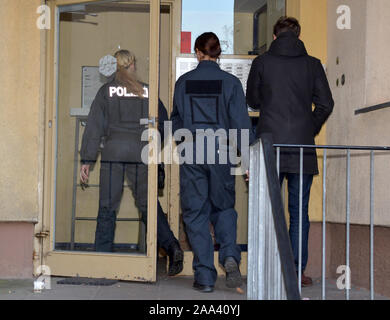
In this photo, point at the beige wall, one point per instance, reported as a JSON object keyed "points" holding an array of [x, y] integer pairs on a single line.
{"points": [[377, 48], [363, 60], [19, 105], [314, 21]]}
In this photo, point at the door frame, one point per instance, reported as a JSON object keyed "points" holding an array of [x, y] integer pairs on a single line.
{"points": [[72, 263]]}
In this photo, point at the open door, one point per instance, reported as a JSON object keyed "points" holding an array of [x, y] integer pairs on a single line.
{"points": [[82, 33], [245, 29]]}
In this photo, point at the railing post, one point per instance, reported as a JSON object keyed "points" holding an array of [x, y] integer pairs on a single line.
{"points": [[372, 225], [300, 219], [348, 275], [324, 226]]}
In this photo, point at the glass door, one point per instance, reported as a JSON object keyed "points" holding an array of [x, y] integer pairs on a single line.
{"points": [[103, 201]]}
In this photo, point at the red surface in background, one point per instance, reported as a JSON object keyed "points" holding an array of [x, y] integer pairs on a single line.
{"points": [[185, 42]]}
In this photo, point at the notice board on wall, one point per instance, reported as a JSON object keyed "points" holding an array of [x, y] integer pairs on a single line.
{"points": [[91, 81]]}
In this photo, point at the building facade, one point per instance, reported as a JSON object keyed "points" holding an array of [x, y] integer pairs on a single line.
{"points": [[41, 85]]}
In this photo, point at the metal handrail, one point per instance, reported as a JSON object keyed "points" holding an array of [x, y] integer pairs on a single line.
{"points": [[336, 147], [373, 108], [348, 150]]}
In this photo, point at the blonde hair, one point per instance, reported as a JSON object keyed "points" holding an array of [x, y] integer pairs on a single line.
{"points": [[124, 76]]}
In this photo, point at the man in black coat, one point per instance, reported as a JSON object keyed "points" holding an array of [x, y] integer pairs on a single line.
{"points": [[283, 84]]}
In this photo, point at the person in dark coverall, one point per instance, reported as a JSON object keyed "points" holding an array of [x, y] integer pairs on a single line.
{"points": [[115, 117], [209, 98], [284, 83]]}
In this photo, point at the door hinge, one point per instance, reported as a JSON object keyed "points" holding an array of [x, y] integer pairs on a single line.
{"points": [[42, 234]]}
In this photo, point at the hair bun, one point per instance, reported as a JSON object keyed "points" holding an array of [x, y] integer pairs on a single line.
{"points": [[208, 43]]}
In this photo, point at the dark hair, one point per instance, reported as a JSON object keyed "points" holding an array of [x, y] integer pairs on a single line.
{"points": [[287, 24], [208, 44]]}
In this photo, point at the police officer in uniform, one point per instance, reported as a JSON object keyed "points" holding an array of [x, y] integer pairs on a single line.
{"points": [[115, 119], [209, 98]]}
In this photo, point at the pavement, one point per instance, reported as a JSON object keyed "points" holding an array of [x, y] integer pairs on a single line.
{"points": [[166, 288]]}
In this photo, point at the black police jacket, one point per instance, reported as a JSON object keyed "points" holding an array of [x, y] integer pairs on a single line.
{"points": [[114, 118]]}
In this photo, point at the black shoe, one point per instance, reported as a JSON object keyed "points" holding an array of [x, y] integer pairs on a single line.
{"points": [[203, 288], [176, 257], [233, 274]]}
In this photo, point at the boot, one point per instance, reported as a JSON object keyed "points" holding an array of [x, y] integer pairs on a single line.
{"points": [[176, 257], [233, 274]]}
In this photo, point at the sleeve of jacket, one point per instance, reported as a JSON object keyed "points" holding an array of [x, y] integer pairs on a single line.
{"points": [[238, 114], [162, 117], [177, 121], [322, 98], [253, 85], [94, 130]]}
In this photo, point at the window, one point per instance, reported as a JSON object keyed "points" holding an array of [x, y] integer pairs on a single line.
{"points": [[243, 26]]}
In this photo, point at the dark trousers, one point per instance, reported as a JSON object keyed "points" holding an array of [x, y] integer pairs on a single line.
{"points": [[293, 208], [110, 195], [208, 195]]}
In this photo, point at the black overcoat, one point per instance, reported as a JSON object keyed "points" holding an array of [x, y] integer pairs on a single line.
{"points": [[283, 84]]}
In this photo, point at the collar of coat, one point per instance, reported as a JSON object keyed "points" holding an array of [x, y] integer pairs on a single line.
{"points": [[208, 64], [288, 44]]}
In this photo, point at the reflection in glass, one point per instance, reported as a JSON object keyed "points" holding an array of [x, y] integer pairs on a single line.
{"points": [[243, 26], [87, 34]]}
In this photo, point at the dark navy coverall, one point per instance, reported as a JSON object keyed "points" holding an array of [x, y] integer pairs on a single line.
{"points": [[117, 119], [209, 98]]}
